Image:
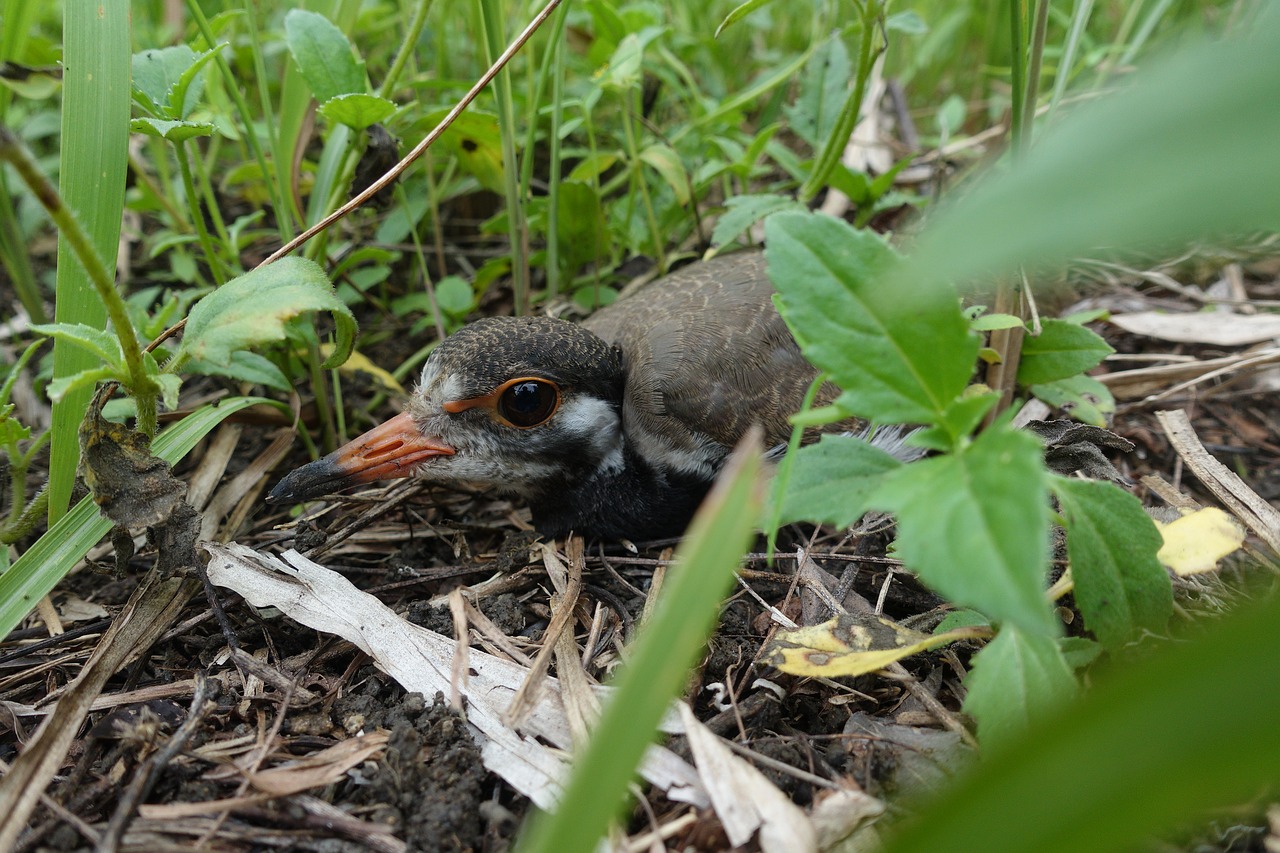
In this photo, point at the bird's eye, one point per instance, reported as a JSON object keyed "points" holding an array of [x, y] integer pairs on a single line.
{"points": [[526, 403]]}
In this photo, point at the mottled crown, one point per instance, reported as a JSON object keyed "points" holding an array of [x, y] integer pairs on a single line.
{"points": [[491, 351]]}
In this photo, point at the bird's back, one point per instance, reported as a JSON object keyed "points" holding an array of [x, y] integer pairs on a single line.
{"points": [[706, 355]]}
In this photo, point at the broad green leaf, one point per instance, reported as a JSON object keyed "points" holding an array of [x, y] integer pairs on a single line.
{"points": [[901, 353], [625, 65], [455, 296], [1060, 351], [156, 73], [992, 322], [252, 310], [61, 386], [667, 163], [824, 87], [593, 165], [358, 110], [1121, 588], [244, 366], [1183, 731], [190, 86], [104, 345], [743, 211], [474, 138], [172, 130], [1183, 153], [974, 526], [41, 566], [324, 55], [831, 480], [1015, 681], [581, 226], [1083, 397]]}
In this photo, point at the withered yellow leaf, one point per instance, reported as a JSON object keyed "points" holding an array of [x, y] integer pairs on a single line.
{"points": [[1196, 542], [852, 644]]}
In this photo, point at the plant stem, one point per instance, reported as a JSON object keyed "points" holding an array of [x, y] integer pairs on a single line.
{"points": [[270, 176], [197, 215], [1017, 78], [406, 49], [829, 157], [491, 20], [630, 110], [144, 389]]}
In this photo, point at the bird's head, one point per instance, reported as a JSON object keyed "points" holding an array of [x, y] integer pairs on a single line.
{"points": [[524, 403]]}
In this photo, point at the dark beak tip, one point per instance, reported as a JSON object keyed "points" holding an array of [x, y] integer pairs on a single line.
{"points": [[309, 482]]}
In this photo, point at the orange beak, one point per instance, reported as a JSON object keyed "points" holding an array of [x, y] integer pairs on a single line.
{"points": [[385, 452]]}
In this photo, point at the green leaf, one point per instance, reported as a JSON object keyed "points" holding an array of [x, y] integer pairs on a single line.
{"points": [[743, 211], [246, 367], [474, 138], [455, 296], [831, 480], [172, 130], [1083, 397], [1061, 350], [104, 345], [1121, 588], [582, 229], [992, 322], [324, 56], [252, 310], [824, 87], [740, 12], [1185, 730], [1015, 681], [901, 354], [156, 73], [975, 526], [1183, 153], [358, 110], [60, 386], [190, 86], [667, 163]]}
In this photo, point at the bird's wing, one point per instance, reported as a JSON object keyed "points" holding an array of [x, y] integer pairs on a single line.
{"points": [[706, 356]]}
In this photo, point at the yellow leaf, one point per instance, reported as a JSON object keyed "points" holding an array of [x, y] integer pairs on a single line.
{"points": [[1197, 541], [359, 363], [852, 645]]}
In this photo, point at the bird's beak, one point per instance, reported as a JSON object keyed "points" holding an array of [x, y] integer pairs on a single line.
{"points": [[385, 452]]}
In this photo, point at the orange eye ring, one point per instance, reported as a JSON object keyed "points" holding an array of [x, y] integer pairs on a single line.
{"points": [[522, 403]]}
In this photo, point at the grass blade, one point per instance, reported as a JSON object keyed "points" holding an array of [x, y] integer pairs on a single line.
{"points": [[660, 662], [95, 138]]}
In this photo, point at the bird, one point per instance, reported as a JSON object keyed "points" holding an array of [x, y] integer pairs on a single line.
{"points": [[613, 428]]}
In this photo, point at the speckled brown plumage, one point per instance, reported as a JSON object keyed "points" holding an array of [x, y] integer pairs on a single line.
{"points": [[706, 353]]}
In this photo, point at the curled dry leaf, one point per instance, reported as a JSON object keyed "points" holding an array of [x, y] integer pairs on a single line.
{"points": [[853, 644]]}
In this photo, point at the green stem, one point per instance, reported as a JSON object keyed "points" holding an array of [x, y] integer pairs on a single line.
{"points": [[1039, 26], [13, 252], [1017, 75], [783, 476], [181, 223], [25, 522], [406, 49], [491, 24], [271, 177], [637, 177], [829, 157], [556, 63], [143, 388], [197, 215]]}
